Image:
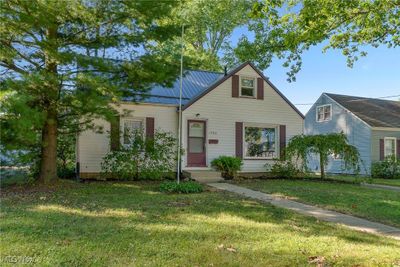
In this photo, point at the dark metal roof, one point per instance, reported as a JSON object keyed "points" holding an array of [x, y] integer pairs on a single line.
{"points": [[194, 83], [375, 112]]}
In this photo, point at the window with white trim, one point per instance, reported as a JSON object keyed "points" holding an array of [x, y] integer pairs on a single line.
{"points": [[389, 147], [260, 142], [247, 87], [324, 113], [130, 126]]}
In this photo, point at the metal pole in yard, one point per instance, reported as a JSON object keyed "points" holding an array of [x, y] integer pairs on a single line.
{"points": [[178, 172]]}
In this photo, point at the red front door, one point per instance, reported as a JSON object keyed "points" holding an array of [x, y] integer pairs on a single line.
{"points": [[196, 155]]}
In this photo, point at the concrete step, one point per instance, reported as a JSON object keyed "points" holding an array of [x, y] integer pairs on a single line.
{"points": [[204, 174]]}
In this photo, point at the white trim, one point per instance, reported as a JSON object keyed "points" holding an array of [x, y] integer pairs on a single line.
{"points": [[122, 126], [395, 146], [254, 88], [147, 104], [385, 129], [323, 109], [261, 126]]}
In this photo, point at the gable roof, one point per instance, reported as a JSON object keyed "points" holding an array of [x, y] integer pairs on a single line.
{"points": [[196, 84], [375, 112], [232, 72]]}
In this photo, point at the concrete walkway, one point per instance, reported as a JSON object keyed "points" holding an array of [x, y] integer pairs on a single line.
{"points": [[321, 214], [381, 186]]}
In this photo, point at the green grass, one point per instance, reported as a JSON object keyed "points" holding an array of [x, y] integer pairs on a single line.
{"points": [[375, 204], [132, 224], [393, 182], [357, 179], [360, 179]]}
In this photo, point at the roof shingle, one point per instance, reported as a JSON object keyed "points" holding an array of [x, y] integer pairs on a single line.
{"points": [[375, 112]]}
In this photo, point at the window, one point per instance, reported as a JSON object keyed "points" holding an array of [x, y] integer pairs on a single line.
{"points": [[259, 142], [130, 126], [324, 113], [390, 146], [247, 87]]}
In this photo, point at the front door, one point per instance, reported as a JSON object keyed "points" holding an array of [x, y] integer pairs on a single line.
{"points": [[196, 156]]}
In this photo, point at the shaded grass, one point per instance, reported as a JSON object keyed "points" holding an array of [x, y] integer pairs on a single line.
{"points": [[132, 224], [356, 179], [375, 204]]}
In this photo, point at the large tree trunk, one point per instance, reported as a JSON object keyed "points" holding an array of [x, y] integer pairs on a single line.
{"points": [[48, 163], [48, 159]]}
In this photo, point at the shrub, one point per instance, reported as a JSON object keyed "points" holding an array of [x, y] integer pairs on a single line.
{"points": [[183, 187], [283, 169], [66, 172], [228, 166], [143, 159], [389, 168]]}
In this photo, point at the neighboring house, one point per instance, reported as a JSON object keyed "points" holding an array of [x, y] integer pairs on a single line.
{"points": [[240, 113], [372, 125]]}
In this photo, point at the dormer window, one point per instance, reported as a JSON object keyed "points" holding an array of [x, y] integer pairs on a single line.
{"points": [[324, 113], [247, 87]]}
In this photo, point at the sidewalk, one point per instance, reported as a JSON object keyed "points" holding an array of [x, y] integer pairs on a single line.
{"points": [[381, 186], [309, 210]]}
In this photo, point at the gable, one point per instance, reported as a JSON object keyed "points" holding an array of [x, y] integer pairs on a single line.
{"points": [[374, 112], [341, 119], [245, 70]]}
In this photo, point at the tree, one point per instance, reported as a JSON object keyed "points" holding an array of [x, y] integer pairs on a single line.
{"points": [[288, 28], [323, 145], [64, 63], [208, 26]]}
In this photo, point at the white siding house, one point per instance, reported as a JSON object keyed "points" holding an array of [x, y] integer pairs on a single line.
{"points": [[239, 113]]}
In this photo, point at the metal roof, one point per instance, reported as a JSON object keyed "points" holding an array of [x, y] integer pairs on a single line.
{"points": [[375, 112], [194, 83]]}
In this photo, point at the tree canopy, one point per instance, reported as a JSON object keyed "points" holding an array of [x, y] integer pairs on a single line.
{"points": [[324, 145], [64, 63], [286, 29]]}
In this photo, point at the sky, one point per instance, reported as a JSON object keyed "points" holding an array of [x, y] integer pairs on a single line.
{"points": [[376, 75]]}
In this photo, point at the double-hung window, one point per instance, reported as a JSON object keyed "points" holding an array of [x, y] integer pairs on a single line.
{"points": [[259, 142], [247, 87], [130, 128], [324, 113], [390, 147]]}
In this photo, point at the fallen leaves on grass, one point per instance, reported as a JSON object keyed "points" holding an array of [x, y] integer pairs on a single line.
{"points": [[319, 261], [229, 248]]}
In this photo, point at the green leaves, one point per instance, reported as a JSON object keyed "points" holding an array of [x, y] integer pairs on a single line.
{"points": [[143, 158], [301, 147], [286, 29]]}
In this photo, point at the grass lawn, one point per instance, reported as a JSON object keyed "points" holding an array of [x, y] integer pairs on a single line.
{"points": [[132, 224], [393, 182], [374, 204]]}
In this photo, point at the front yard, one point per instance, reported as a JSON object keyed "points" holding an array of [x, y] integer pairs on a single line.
{"points": [[375, 204], [132, 224]]}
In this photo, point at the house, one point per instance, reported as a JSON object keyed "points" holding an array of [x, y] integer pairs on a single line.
{"points": [[372, 125], [239, 113]]}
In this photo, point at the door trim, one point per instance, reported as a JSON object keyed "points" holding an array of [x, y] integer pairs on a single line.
{"points": [[204, 143]]}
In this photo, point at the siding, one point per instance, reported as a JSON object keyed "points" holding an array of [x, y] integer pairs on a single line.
{"points": [[376, 136], [357, 132], [221, 112], [92, 147]]}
